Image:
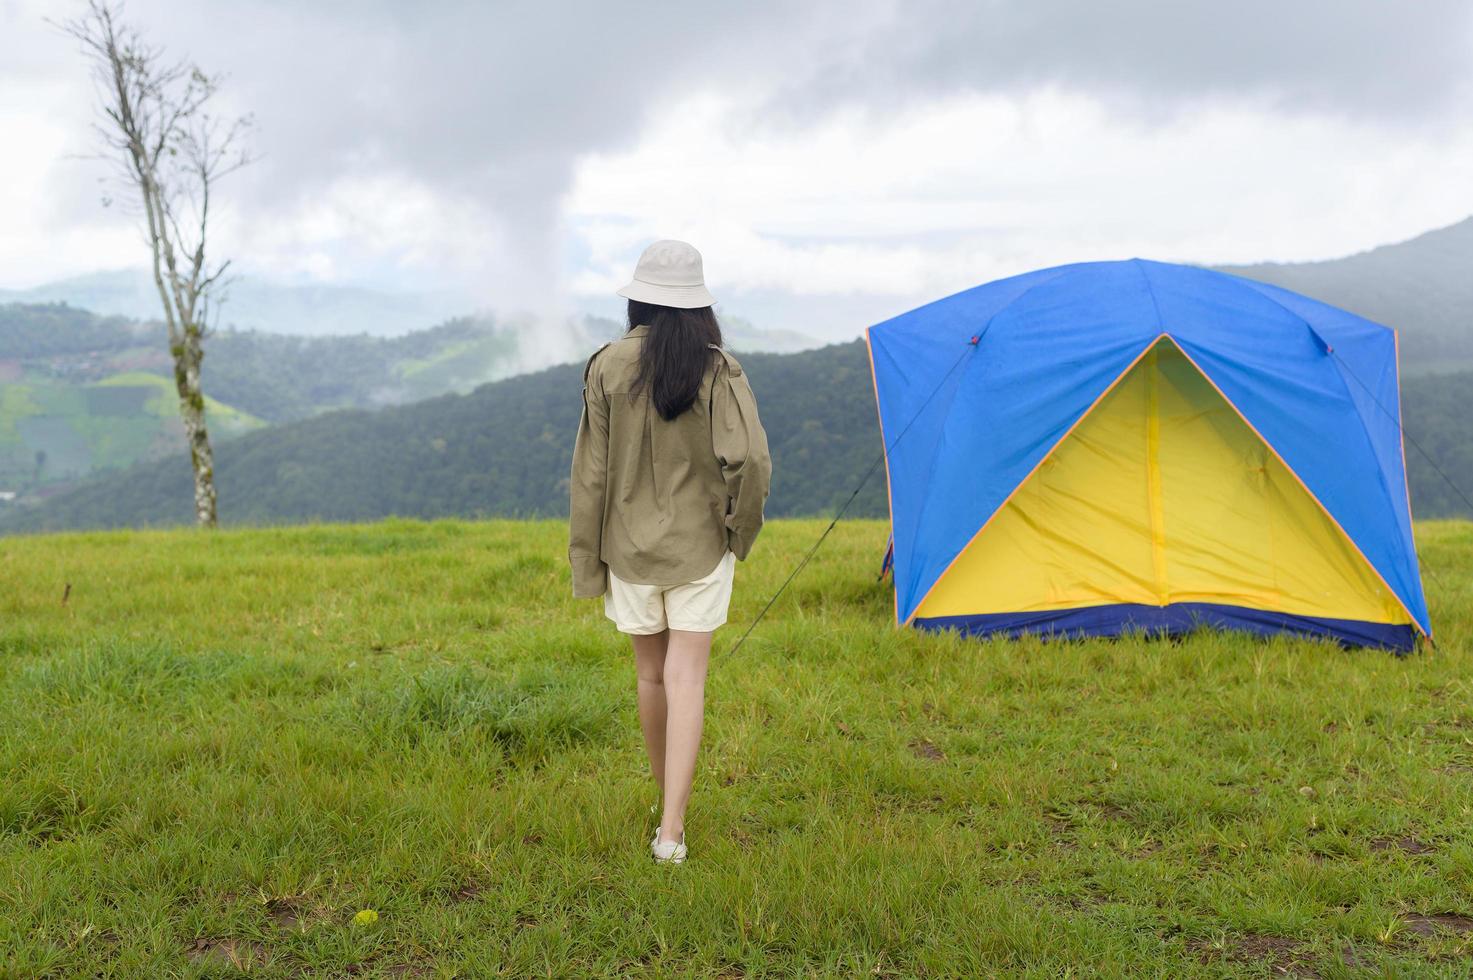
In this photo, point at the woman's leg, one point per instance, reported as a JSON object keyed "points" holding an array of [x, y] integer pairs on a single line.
{"points": [[684, 683], [649, 664]]}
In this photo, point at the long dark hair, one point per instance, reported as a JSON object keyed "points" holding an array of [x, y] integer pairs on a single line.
{"points": [[675, 353]]}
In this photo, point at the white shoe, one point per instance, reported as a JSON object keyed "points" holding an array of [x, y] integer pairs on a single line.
{"points": [[668, 851]]}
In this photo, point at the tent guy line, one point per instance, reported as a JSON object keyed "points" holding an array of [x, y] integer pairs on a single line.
{"points": [[1415, 445], [1404, 434], [884, 452]]}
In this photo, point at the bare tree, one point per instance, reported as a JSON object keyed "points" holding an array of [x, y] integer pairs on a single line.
{"points": [[158, 131]]}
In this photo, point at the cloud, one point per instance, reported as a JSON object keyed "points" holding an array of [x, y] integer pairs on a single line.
{"points": [[970, 188], [1398, 62], [464, 140]]}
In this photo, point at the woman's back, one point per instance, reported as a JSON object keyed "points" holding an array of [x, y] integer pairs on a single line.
{"points": [[677, 493]]}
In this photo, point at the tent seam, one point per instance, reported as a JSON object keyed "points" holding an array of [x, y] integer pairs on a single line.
{"points": [[936, 455], [1036, 467], [1329, 351], [1426, 630], [1151, 292]]}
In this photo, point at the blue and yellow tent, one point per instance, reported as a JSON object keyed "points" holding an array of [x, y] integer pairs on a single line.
{"points": [[1116, 446]]}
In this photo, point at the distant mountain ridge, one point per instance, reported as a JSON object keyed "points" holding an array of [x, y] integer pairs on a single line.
{"points": [[65, 410], [1422, 287], [258, 304], [504, 450], [81, 393]]}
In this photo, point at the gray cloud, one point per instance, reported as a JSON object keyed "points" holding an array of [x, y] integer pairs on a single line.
{"points": [[493, 103], [1388, 61], [489, 103]]}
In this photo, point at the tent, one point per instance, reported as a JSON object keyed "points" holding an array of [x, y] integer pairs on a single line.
{"points": [[1111, 447]]}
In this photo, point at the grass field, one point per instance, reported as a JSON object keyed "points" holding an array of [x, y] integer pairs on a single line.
{"points": [[221, 752]]}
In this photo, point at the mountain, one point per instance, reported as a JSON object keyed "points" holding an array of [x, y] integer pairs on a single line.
{"points": [[259, 304], [56, 426], [81, 393], [504, 449], [55, 433], [1422, 287]]}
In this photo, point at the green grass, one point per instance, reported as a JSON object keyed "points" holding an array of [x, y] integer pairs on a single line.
{"points": [[220, 748]]}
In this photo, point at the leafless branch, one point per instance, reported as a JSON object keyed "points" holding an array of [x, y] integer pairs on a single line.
{"points": [[156, 126]]}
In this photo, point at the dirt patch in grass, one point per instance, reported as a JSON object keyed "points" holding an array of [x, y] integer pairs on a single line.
{"points": [[1282, 956], [1430, 925], [408, 970], [286, 912], [363, 967], [1088, 898], [103, 944], [1407, 845], [926, 749], [239, 953], [1061, 833], [1064, 823], [468, 892], [1145, 848], [295, 913], [1111, 811]]}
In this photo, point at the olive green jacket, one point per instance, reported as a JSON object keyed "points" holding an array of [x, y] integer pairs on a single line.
{"points": [[661, 502]]}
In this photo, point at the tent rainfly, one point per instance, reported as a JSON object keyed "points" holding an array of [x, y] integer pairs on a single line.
{"points": [[1111, 447]]}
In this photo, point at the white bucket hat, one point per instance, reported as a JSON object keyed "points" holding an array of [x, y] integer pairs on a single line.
{"points": [[669, 273]]}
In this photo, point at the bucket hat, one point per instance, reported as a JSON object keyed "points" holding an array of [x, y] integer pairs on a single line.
{"points": [[669, 273]]}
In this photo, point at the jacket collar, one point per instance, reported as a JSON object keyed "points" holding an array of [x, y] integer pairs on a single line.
{"points": [[638, 331]]}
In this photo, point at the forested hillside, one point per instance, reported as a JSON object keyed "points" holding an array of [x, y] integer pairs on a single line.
{"points": [[80, 393], [1438, 415], [57, 427], [1422, 287], [504, 450], [271, 376]]}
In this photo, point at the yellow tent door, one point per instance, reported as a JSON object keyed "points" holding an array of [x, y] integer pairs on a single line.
{"points": [[1163, 494]]}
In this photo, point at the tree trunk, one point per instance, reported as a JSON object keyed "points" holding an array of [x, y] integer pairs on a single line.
{"points": [[187, 358]]}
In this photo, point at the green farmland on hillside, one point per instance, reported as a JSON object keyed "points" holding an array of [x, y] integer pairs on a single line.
{"points": [[52, 432], [220, 751]]}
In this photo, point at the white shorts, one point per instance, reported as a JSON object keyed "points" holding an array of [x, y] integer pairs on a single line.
{"points": [[698, 606]]}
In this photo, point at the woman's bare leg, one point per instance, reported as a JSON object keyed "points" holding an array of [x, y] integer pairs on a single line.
{"points": [[684, 685], [649, 664]]}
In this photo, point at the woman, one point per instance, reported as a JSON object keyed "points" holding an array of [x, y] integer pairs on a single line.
{"points": [[670, 472]]}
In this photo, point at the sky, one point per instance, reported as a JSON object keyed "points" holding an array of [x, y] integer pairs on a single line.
{"points": [[835, 162]]}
